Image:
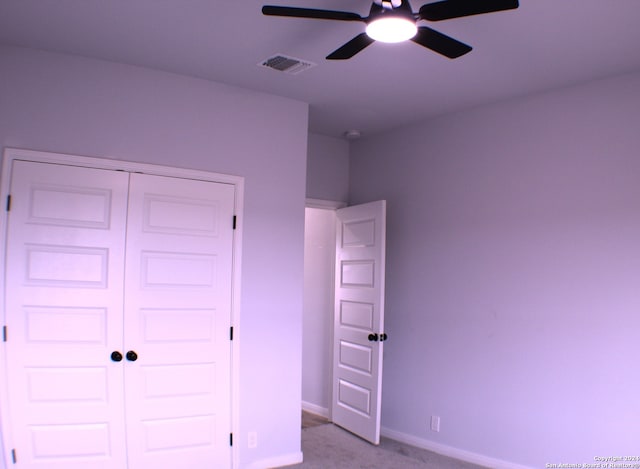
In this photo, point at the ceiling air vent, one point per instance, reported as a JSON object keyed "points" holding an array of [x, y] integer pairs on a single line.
{"points": [[287, 64]]}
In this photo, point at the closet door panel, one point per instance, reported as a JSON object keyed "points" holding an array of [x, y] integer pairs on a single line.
{"points": [[177, 318], [64, 284]]}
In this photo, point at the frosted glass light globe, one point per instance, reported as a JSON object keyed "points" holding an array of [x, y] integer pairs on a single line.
{"points": [[391, 29]]}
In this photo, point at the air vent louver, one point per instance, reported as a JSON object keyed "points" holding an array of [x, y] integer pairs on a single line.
{"points": [[290, 65]]}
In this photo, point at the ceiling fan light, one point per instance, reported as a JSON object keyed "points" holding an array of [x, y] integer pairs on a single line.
{"points": [[392, 29]]}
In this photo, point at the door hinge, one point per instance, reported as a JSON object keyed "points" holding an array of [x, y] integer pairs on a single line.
{"points": [[234, 222], [231, 333], [4, 333], [230, 439], [8, 202], [14, 458]]}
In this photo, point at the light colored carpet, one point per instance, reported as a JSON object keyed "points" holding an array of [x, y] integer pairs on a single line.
{"points": [[330, 447]]}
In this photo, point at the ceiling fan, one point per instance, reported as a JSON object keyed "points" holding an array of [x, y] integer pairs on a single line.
{"points": [[395, 21]]}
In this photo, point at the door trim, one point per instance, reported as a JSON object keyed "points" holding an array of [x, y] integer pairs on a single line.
{"points": [[324, 204], [12, 154]]}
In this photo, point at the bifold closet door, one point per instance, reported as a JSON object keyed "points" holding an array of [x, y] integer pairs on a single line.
{"points": [[177, 320], [64, 296]]}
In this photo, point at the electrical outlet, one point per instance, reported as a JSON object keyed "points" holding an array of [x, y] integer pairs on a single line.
{"points": [[253, 440], [435, 423]]}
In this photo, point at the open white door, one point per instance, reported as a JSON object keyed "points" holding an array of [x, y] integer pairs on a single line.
{"points": [[359, 319]]}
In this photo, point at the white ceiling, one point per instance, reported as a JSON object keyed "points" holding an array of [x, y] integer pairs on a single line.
{"points": [[542, 45]]}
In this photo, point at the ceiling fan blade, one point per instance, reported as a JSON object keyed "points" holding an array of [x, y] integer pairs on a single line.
{"points": [[448, 9], [351, 48], [273, 10], [440, 43]]}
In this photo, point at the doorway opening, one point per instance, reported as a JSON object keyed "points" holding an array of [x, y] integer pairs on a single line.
{"points": [[343, 320], [318, 306]]}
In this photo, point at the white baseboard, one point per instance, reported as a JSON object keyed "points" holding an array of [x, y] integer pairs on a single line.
{"points": [[284, 460], [450, 451], [315, 409]]}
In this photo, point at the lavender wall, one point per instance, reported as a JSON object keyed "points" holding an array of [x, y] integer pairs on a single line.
{"points": [[513, 274], [72, 105], [327, 168]]}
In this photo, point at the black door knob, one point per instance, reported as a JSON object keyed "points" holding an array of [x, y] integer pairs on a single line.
{"points": [[132, 356], [373, 337], [116, 356], [383, 337]]}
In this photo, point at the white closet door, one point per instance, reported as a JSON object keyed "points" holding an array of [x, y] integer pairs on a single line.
{"points": [[64, 294], [177, 319]]}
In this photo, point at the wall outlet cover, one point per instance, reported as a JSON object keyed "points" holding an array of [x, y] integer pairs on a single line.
{"points": [[252, 440], [435, 423]]}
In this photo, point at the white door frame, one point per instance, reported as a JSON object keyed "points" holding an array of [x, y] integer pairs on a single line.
{"points": [[11, 154]]}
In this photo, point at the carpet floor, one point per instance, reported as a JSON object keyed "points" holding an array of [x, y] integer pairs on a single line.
{"points": [[327, 446]]}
